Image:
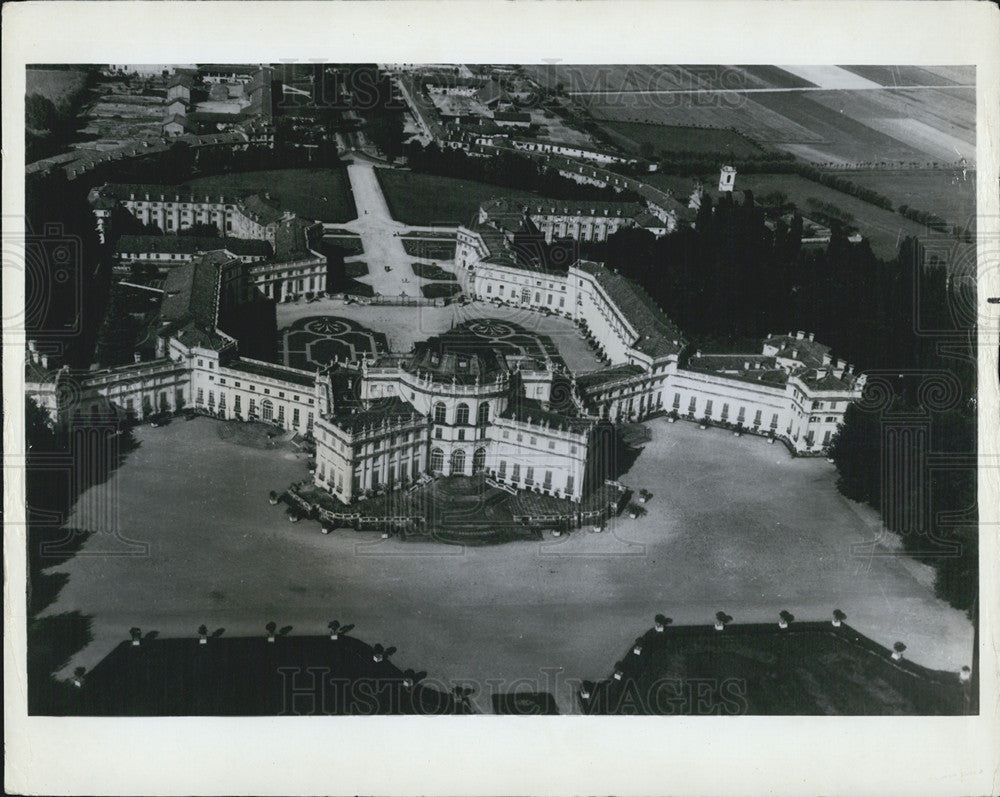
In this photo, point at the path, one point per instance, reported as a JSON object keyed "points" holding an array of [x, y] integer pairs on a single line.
{"points": [[381, 236]]}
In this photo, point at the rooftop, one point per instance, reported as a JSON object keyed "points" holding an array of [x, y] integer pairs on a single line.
{"points": [[190, 244], [382, 413], [526, 410], [190, 292], [280, 373], [658, 336], [464, 359]]}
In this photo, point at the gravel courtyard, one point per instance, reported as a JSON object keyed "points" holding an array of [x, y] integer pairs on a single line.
{"points": [[734, 524]]}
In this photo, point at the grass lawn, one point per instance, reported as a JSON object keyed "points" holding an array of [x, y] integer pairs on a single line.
{"points": [[317, 194], [350, 244], [668, 138], [427, 199], [432, 272], [356, 268], [435, 290], [431, 250]]}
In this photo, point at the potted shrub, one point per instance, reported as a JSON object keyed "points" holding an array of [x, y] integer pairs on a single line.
{"points": [[619, 671], [334, 626], [644, 495], [722, 620], [378, 653], [202, 634], [738, 430], [897, 651], [271, 627], [408, 678], [324, 529], [136, 635], [292, 515], [705, 422], [273, 498], [838, 618], [965, 675], [770, 438], [661, 622], [672, 416], [637, 649], [784, 618]]}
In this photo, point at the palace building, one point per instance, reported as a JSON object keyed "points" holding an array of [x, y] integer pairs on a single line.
{"points": [[460, 403]]}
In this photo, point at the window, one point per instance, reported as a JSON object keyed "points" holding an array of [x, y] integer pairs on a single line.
{"points": [[725, 411], [253, 406], [774, 421], [817, 405], [502, 469], [516, 473], [281, 413], [572, 449], [826, 438], [756, 418], [677, 401], [211, 399], [281, 395], [741, 416], [267, 410], [489, 289], [236, 402], [547, 483], [692, 405], [505, 434], [439, 412], [295, 416], [438, 434], [462, 414], [552, 445], [534, 441], [461, 434], [569, 484], [708, 407], [458, 461], [529, 476], [483, 415]]}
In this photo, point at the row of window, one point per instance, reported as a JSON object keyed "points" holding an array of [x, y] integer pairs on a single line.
{"points": [[529, 476], [266, 407], [533, 441], [462, 414]]}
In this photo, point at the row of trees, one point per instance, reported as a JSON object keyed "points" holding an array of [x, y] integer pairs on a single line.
{"points": [[730, 280], [509, 170]]}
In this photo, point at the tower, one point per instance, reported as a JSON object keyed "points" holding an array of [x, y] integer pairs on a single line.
{"points": [[727, 177]]}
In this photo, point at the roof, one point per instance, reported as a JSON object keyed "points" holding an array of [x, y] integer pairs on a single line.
{"points": [[160, 193], [292, 240], [526, 410], [190, 295], [511, 116], [190, 244], [181, 79], [808, 352], [382, 413], [492, 92], [261, 209], [280, 373], [459, 357], [744, 367], [658, 335], [596, 379]]}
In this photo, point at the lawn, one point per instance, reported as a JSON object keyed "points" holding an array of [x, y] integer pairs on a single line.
{"points": [[431, 272], [669, 138], [430, 250], [350, 244], [317, 194], [427, 199], [436, 290], [356, 268]]}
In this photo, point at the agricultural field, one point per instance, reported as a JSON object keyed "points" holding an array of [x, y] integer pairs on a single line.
{"points": [[317, 194], [425, 199], [943, 192], [665, 138], [829, 115]]}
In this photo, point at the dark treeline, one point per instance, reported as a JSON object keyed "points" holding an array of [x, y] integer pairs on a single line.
{"points": [[731, 279], [509, 170]]}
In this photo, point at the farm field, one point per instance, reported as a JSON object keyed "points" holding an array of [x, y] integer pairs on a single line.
{"points": [[425, 199], [826, 114], [317, 194], [667, 138], [942, 192]]}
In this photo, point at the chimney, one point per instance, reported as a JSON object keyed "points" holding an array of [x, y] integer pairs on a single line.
{"points": [[44, 358], [800, 335], [746, 365], [812, 335], [795, 354], [826, 359], [698, 353], [136, 357], [768, 335]]}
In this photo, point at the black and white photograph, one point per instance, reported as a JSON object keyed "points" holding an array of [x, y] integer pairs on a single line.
{"points": [[464, 388]]}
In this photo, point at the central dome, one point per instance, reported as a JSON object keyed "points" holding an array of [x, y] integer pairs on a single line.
{"points": [[461, 357]]}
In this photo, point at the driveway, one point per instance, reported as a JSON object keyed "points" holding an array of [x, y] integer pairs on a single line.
{"points": [[734, 524]]}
